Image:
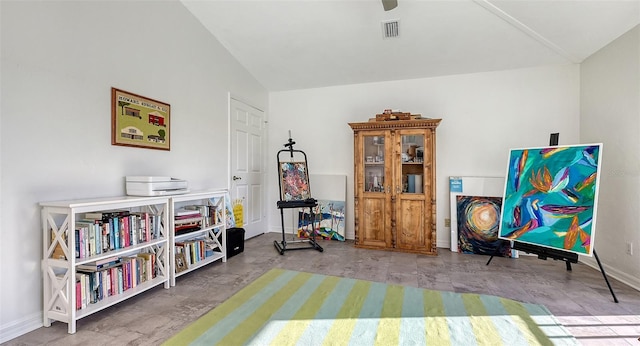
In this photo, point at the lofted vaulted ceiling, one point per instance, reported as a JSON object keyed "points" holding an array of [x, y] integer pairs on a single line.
{"points": [[302, 44]]}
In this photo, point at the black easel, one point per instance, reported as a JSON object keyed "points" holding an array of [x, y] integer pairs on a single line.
{"points": [[302, 203], [556, 254]]}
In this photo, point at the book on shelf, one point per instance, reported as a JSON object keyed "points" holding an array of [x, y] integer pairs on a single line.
{"points": [[186, 228], [104, 215], [105, 240], [88, 235], [150, 264], [197, 218], [120, 287], [82, 280], [211, 244], [185, 212], [94, 288], [78, 288], [125, 232], [100, 264], [142, 227], [156, 226]]}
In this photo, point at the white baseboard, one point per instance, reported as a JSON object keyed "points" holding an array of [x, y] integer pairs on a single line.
{"points": [[287, 230], [623, 277], [443, 244], [16, 328]]}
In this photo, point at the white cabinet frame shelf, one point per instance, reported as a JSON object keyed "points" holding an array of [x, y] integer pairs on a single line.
{"points": [[59, 274], [216, 233]]}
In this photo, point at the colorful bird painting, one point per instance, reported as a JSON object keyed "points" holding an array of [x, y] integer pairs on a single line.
{"points": [[551, 197]]}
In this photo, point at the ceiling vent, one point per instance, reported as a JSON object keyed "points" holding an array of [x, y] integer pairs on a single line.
{"points": [[390, 28]]}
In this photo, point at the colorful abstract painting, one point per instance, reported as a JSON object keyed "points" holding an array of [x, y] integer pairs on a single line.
{"points": [[329, 220], [551, 197], [294, 184], [478, 221]]}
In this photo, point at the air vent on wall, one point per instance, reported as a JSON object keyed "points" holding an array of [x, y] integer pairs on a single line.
{"points": [[390, 28]]}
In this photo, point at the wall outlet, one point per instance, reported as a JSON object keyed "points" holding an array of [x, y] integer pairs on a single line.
{"points": [[630, 248], [447, 222]]}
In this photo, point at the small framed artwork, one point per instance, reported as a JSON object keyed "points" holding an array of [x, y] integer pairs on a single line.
{"points": [[138, 121], [181, 262]]}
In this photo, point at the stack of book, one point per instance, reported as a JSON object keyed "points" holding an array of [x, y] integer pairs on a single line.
{"points": [[187, 220], [210, 214]]}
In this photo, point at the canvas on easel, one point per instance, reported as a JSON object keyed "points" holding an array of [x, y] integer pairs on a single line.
{"points": [[551, 196], [294, 181]]}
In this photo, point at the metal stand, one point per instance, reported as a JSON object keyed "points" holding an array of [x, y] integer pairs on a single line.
{"points": [[543, 253], [615, 299], [312, 244], [568, 257], [295, 203]]}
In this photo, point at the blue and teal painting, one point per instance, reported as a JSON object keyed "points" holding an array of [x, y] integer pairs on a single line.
{"points": [[551, 196]]}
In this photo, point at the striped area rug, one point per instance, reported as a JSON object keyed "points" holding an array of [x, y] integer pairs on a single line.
{"points": [[285, 307]]}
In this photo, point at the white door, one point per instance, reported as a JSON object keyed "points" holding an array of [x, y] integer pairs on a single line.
{"points": [[247, 142]]}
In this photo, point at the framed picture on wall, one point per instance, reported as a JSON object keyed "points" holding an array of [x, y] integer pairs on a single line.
{"points": [[138, 121]]}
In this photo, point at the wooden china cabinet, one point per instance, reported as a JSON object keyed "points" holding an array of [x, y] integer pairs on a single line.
{"points": [[395, 185]]}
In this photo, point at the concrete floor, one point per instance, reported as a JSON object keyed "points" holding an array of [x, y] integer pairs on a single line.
{"points": [[579, 298]]}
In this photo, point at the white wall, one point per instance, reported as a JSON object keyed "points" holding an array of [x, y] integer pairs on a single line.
{"points": [[59, 61], [610, 107], [484, 115]]}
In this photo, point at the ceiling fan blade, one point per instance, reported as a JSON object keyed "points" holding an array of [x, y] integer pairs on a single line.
{"points": [[389, 5]]}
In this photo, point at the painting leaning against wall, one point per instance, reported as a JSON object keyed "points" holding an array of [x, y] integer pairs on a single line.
{"points": [[551, 195], [329, 220], [478, 219]]}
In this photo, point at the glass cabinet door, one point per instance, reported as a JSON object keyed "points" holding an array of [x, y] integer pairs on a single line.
{"points": [[374, 160], [412, 157]]}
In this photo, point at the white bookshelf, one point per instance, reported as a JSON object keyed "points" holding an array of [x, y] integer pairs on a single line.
{"points": [[59, 274], [213, 232]]}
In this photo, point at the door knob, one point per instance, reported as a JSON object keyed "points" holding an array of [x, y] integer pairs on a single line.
{"points": [[235, 177]]}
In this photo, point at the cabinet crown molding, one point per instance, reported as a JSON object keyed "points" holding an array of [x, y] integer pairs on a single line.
{"points": [[394, 124]]}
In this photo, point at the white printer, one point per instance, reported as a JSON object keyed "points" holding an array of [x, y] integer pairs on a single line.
{"points": [[155, 186]]}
